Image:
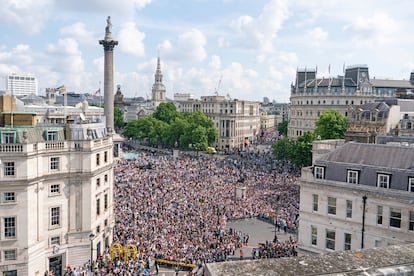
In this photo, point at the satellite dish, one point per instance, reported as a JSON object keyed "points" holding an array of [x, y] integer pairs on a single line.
{"points": [[82, 116]]}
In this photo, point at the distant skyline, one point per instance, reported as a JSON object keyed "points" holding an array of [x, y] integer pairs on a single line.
{"points": [[254, 47]]}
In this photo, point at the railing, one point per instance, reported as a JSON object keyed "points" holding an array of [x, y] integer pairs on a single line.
{"points": [[55, 145], [11, 148]]}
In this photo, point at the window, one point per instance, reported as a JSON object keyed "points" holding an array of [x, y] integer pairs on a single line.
{"points": [[97, 159], [9, 197], [52, 135], [395, 217], [98, 206], [106, 222], [55, 240], [98, 229], [55, 216], [379, 215], [54, 163], [383, 181], [347, 241], [330, 239], [319, 172], [349, 208], [9, 169], [314, 235], [352, 177], [98, 182], [315, 203], [10, 273], [331, 205], [9, 227], [411, 184], [411, 221], [10, 254], [105, 156], [7, 137], [105, 201], [55, 189], [106, 178]]}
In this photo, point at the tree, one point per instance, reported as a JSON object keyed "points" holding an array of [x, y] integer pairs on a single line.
{"points": [[199, 138], [302, 154], [168, 127], [298, 152], [282, 149], [147, 128], [166, 112], [118, 118], [331, 125], [283, 128]]}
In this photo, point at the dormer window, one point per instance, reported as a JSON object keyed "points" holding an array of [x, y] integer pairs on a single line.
{"points": [[8, 137], [52, 135], [383, 181], [319, 172]]}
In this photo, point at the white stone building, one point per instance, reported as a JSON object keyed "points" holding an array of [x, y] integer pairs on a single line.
{"points": [[357, 196], [237, 122], [56, 189], [311, 96], [21, 85]]}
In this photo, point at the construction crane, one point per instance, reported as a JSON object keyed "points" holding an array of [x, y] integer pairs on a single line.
{"points": [[218, 86]]}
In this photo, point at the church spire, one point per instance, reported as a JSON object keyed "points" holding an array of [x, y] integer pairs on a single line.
{"points": [[158, 88], [158, 73]]}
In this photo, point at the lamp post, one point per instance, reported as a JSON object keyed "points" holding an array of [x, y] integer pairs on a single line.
{"points": [[91, 237]]}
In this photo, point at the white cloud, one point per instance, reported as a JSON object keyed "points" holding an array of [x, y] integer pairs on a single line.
{"points": [[126, 8], [260, 32], [29, 15], [131, 40], [79, 32], [215, 62], [68, 62], [190, 47], [317, 35], [20, 55], [377, 28]]}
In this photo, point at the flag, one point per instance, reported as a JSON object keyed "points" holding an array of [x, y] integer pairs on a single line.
{"points": [[61, 89], [97, 92]]}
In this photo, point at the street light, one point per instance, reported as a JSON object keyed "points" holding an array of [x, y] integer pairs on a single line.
{"points": [[91, 237]]}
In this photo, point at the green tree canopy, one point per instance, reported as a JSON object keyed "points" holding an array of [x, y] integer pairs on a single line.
{"points": [[168, 127], [283, 128], [331, 125], [118, 118], [166, 112], [298, 152]]}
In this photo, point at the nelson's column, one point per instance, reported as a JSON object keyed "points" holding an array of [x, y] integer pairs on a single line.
{"points": [[109, 44]]}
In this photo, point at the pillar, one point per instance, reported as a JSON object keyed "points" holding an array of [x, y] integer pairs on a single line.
{"points": [[109, 45]]}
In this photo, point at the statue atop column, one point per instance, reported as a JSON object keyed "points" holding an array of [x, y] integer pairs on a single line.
{"points": [[108, 34]]}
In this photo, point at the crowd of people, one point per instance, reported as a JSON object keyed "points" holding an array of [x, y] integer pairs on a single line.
{"points": [[276, 249], [176, 208]]}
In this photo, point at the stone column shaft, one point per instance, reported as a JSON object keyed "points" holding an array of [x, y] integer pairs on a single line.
{"points": [[109, 81]]}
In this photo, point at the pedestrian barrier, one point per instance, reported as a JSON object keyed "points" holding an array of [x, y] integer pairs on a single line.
{"points": [[175, 263]]}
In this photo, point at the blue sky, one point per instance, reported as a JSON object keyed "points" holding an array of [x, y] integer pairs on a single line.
{"points": [[254, 47]]}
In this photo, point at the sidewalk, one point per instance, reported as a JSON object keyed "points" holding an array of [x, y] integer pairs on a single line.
{"points": [[259, 231]]}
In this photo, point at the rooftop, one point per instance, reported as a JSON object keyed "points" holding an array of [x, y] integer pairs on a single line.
{"points": [[392, 260]]}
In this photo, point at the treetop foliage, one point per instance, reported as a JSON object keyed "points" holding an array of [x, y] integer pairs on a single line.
{"points": [[168, 127]]}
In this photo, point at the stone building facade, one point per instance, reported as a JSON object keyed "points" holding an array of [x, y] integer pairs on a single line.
{"points": [[311, 96], [357, 196], [237, 122]]}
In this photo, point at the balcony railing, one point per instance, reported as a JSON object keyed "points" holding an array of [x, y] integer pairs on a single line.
{"points": [[11, 148]]}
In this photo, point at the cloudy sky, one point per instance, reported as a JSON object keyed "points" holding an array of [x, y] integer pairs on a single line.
{"points": [[253, 47]]}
